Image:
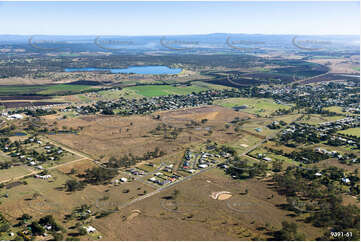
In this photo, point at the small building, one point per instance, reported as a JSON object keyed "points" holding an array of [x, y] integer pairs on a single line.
{"points": [[123, 179], [44, 177], [16, 116], [267, 159], [152, 179], [191, 171], [90, 229]]}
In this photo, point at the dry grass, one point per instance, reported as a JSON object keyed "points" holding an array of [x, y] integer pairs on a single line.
{"points": [[117, 136]]}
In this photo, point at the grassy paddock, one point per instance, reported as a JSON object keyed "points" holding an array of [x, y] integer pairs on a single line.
{"points": [[42, 89], [260, 106], [352, 131]]}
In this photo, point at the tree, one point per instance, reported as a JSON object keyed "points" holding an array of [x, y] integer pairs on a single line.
{"points": [[25, 216], [73, 185], [277, 165], [37, 229], [203, 121], [289, 232], [99, 175], [82, 231], [57, 237]]}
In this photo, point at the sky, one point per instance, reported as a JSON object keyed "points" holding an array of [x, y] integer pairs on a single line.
{"points": [[175, 18]]}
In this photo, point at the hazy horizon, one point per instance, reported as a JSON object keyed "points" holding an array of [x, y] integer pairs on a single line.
{"points": [[179, 18]]}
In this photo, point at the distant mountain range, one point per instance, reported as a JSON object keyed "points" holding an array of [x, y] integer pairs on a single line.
{"points": [[219, 41]]}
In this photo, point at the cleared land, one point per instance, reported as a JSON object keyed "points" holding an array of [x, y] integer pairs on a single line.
{"points": [[43, 89], [260, 106], [117, 136], [201, 217], [353, 131]]}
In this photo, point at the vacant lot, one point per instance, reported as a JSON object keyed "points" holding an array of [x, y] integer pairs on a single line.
{"points": [[353, 131], [260, 106], [13, 172], [194, 215], [42, 89], [42, 197], [315, 119], [116, 136]]}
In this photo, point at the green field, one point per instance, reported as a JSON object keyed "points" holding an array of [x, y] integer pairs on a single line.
{"points": [[43, 89], [260, 106], [163, 90], [314, 119], [335, 109], [352, 131]]}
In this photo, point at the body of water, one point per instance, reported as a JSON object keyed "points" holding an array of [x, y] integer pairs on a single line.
{"points": [[155, 70], [19, 134]]}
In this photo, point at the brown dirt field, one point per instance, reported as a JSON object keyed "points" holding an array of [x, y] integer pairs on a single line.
{"points": [[339, 65], [199, 113], [194, 215], [334, 162], [59, 202], [80, 166], [102, 135], [24, 81]]}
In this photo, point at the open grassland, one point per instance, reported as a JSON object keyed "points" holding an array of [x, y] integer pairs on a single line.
{"points": [[15, 171], [335, 109], [244, 142], [117, 136], [209, 85], [260, 106], [315, 119], [352, 131], [163, 90], [273, 156], [43, 89], [42, 197], [201, 217]]}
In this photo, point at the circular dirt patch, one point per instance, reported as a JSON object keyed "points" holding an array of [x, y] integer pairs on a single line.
{"points": [[223, 195]]}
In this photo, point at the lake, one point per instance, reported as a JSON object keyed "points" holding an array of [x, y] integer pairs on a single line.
{"points": [[19, 134], [155, 70]]}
